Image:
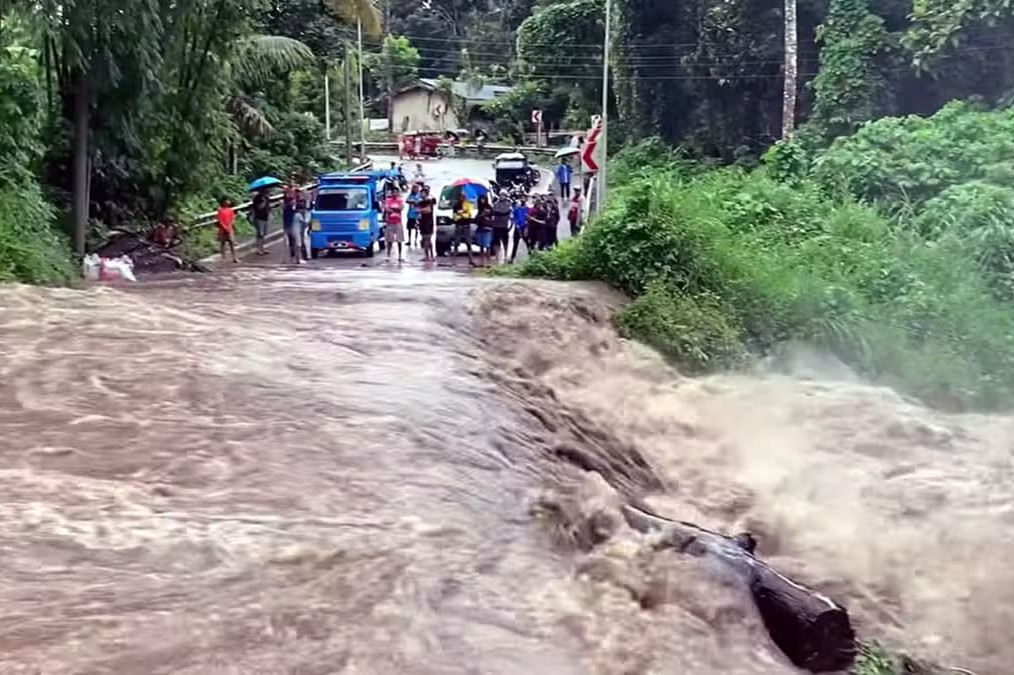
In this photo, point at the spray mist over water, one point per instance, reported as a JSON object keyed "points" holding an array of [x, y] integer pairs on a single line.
{"points": [[904, 514], [280, 472]]}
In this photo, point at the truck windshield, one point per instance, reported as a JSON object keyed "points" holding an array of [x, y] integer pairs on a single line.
{"points": [[342, 199]]}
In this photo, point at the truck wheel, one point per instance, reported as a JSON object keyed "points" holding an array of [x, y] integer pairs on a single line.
{"points": [[442, 249], [314, 253], [369, 250]]}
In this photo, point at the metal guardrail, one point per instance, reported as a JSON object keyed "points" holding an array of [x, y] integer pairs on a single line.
{"points": [[210, 218], [469, 151]]}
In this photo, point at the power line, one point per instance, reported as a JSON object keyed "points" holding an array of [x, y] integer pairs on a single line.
{"points": [[556, 45], [639, 48], [596, 61], [674, 61], [646, 78]]}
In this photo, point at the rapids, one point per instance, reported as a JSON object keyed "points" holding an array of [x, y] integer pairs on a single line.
{"points": [[271, 471]]}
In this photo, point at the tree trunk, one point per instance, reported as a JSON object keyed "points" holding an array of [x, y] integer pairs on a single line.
{"points": [[813, 631], [791, 60], [80, 182]]}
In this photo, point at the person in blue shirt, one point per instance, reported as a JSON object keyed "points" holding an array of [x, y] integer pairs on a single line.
{"points": [[412, 222], [563, 172], [519, 219]]}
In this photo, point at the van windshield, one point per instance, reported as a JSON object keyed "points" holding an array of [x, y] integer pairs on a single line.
{"points": [[342, 199]]}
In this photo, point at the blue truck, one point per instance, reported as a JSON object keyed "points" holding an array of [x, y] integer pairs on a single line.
{"points": [[347, 212]]}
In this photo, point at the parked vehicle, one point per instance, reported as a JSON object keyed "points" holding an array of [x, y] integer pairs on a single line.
{"points": [[512, 169], [444, 215], [346, 213], [419, 144]]}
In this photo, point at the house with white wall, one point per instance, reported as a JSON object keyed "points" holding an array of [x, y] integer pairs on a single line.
{"points": [[424, 107]]}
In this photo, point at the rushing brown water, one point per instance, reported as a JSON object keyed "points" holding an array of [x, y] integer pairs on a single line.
{"points": [[351, 471]]}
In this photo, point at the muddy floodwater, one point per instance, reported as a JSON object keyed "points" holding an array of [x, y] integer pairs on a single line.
{"points": [[368, 471]]}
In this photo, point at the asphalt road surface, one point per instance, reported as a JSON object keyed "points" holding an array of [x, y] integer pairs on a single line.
{"points": [[438, 174]]}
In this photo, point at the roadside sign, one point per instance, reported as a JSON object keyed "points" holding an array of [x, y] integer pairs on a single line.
{"points": [[536, 117]]}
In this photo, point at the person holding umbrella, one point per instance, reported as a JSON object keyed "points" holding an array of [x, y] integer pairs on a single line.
{"points": [[260, 211], [563, 172], [463, 224]]}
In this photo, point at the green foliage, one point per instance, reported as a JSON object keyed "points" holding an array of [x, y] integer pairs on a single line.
{"points": [[20, 118], [788, 159], [397, 64], [915, 158], [569, 27], [510, 111], [874, 660], [851, 87], [697, 330], [646, 157], [939, 24], [782, 262], [294, 149], [30, 250], [979, 216]]}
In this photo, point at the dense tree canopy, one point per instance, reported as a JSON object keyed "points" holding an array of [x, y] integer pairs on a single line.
{"points": [[217, 87]]}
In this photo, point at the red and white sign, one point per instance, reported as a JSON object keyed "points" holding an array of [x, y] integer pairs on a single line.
{"points": [[536, 117], [590, 142]]}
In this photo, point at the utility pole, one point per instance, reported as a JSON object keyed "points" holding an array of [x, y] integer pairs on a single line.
{"points": [[789, 90], [348, 110], [601, 192], [390, 67], [362, 105], [327, 104]]}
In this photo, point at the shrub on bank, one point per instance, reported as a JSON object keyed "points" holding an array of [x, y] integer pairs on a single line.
{"points": [[913, 159], [727, 261], [31, 251]]}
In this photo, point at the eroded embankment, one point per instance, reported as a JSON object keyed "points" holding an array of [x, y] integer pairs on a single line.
{"points": [[901, 513]]}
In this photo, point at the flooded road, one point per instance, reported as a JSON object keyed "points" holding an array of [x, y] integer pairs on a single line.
{"points": [[262, 472], [332, 469]]}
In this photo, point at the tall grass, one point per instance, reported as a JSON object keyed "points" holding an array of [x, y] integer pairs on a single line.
{"points": [[725, 262]]}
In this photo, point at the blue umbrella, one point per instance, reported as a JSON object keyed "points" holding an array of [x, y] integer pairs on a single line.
{"points": [[263, 182]]}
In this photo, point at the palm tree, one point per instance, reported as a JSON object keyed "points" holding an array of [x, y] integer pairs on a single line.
{"points": [[254, 64]]}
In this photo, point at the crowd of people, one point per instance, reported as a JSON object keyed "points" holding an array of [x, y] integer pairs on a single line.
{"points": [[486, 224], [410, 220]]}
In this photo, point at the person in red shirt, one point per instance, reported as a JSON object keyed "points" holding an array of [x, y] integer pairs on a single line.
{"points": [[225, 217], [394, 227], [574, 214]]}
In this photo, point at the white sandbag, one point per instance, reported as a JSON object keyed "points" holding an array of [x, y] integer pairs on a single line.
{"points": [[96, 268]]}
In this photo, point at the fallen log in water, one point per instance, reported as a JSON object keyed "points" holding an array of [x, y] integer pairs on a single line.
{"points": [[813, 631]]}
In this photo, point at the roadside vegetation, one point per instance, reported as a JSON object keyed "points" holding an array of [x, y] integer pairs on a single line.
{"points": [[165, 113], [221, 91], [891, 249]]}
